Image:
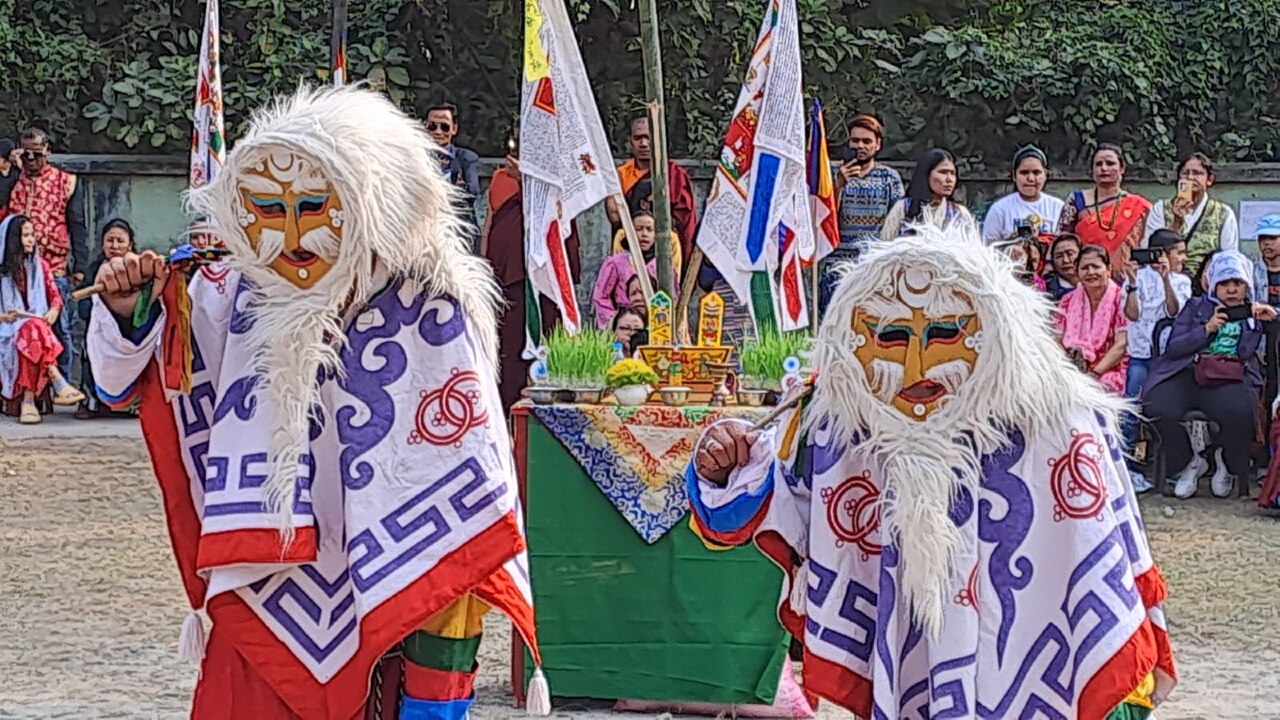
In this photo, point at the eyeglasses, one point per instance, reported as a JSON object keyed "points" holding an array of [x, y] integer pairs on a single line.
{"points": [[438, 127]]}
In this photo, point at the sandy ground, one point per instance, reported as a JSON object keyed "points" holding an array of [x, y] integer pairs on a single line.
{"points": [[90, 604]]}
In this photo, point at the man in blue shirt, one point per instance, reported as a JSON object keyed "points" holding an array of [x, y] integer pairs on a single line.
{"points": [[460, 165]]}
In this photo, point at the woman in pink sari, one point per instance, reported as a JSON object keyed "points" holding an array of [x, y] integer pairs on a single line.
{"points": [[29, 308], [1092, 324]]}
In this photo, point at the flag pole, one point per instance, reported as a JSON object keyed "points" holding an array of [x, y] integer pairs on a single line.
{"points": [[813, 294], [651, 52]]}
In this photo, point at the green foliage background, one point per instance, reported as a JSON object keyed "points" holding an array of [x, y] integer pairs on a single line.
{"points": [[978, 76]]}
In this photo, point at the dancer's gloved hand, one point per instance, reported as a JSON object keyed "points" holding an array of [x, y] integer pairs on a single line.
{"points": [[125, 276], [725, 447]]}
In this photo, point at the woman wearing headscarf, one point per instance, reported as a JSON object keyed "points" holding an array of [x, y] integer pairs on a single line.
{"points": [[1105, 214], [1029, 210], [929, 197], [1210, 364], [29, 308], [117, 241]]}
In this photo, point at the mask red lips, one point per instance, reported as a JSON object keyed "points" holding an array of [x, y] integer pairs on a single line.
{"points": [[923, 392], [299, 257]]}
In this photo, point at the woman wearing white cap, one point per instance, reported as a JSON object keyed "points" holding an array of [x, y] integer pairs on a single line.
{"points": [[1211, 365]]}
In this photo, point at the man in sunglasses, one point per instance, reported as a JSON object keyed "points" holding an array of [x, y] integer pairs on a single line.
{"points": [[461, 165], [54, 202]]}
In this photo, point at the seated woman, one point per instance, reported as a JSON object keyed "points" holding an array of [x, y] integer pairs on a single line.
{"points": [[29, 308], [1210, 364], [1092, 326], [1027, 255], [1061, 279], [610, 293], [628, 329], [117, 241]]}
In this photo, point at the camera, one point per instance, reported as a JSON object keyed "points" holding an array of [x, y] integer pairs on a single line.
{"points": [[1146, 256], [1239, 312]]}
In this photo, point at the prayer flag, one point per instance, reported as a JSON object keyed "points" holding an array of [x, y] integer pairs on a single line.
{"points": [[822, 192], [339, 43], [207, 138], [759, 200], [566, 165]]}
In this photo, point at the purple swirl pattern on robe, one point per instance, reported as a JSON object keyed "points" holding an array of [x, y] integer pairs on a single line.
{"points": [[241, 321], [887, 601], [239, 399], [365, 383], [816, 458], [1009, 573], [437, 332]]}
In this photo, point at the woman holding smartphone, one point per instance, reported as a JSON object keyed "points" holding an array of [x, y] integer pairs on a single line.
{"points": [[1211, 364], [1207, 224]]}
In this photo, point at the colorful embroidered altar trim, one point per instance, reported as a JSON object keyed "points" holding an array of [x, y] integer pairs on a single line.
{"points": [[637, 456]]}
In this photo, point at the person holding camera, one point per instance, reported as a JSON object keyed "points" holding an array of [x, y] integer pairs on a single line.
{"points": [[1211, 365], [866, 191], [1155, 289], [1029, 211]]}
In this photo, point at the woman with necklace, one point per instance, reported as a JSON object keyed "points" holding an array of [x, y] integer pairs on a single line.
{"points": [[929, 198], [1106, 215]]}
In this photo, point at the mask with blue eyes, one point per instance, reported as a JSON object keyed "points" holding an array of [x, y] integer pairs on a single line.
{"points": [[292, 218], [917, 348]]}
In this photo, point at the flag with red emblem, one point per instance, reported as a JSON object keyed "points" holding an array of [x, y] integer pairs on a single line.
{"points": [[565, 162]]}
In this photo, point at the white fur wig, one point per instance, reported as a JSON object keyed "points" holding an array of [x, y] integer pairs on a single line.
{"points": [[398, 220], [1021, 380]]}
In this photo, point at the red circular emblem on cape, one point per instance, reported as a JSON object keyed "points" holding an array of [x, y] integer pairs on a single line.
{"points": [[1079, 491], [853, 512], [447, 413]]}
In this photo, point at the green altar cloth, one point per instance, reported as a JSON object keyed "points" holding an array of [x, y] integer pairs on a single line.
{"points": [[620, 618]]}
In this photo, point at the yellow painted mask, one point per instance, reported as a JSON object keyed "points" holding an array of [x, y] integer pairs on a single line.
{"points": [[292, 212], [917, 347]]}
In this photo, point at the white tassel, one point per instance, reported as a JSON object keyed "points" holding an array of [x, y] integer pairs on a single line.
{"points": [[538, 698], [800, 587], [191, 639]]}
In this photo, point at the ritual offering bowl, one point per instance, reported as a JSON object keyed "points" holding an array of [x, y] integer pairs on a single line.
{"points": [[675, 396], [752, 398], [543, 395], [589, 396]]}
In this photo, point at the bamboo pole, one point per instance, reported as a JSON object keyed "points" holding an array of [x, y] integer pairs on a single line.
{"points": [[651, 52], [814, 295]]}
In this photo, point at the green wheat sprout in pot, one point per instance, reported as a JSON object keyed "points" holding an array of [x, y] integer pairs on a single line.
{"points": [[579, 361], [762, 358]]}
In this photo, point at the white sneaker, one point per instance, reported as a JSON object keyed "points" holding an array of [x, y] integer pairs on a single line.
{"points": [[1221, 483], [1141, 485], [1188, 481]]}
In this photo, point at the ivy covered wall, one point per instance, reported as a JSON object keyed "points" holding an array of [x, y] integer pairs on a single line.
{"points": [[978, 76]]}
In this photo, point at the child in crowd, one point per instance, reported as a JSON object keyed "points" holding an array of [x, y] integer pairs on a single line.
{"points": [[610, 294], [29, 308], [1153, 292]]}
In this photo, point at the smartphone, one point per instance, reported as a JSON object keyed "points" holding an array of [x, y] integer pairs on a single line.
{"points": [[1185, 190], [513, 147], [1146, 256], [1237, 313], [639, 339]]}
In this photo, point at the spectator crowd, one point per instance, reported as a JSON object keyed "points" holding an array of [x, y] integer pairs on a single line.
{"points": [[1156, 300]]}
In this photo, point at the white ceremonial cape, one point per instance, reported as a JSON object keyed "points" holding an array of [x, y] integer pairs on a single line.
{"points": [[408, 499], [1055, 602]]}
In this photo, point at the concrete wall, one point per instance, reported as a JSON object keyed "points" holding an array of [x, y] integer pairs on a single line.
{"points": [[146, 190]]}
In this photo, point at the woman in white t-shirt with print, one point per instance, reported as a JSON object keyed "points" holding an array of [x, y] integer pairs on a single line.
{"points": [[1029, 207]]}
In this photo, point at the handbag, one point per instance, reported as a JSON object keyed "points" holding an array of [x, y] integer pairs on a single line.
{"points": [[1216, 370]]}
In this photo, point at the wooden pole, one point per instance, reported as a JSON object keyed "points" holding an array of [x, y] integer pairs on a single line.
{"points": [[814, 295], [651, 52]]}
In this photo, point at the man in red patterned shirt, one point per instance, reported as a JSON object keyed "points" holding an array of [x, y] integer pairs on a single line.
{"points": [[53, 201]]}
